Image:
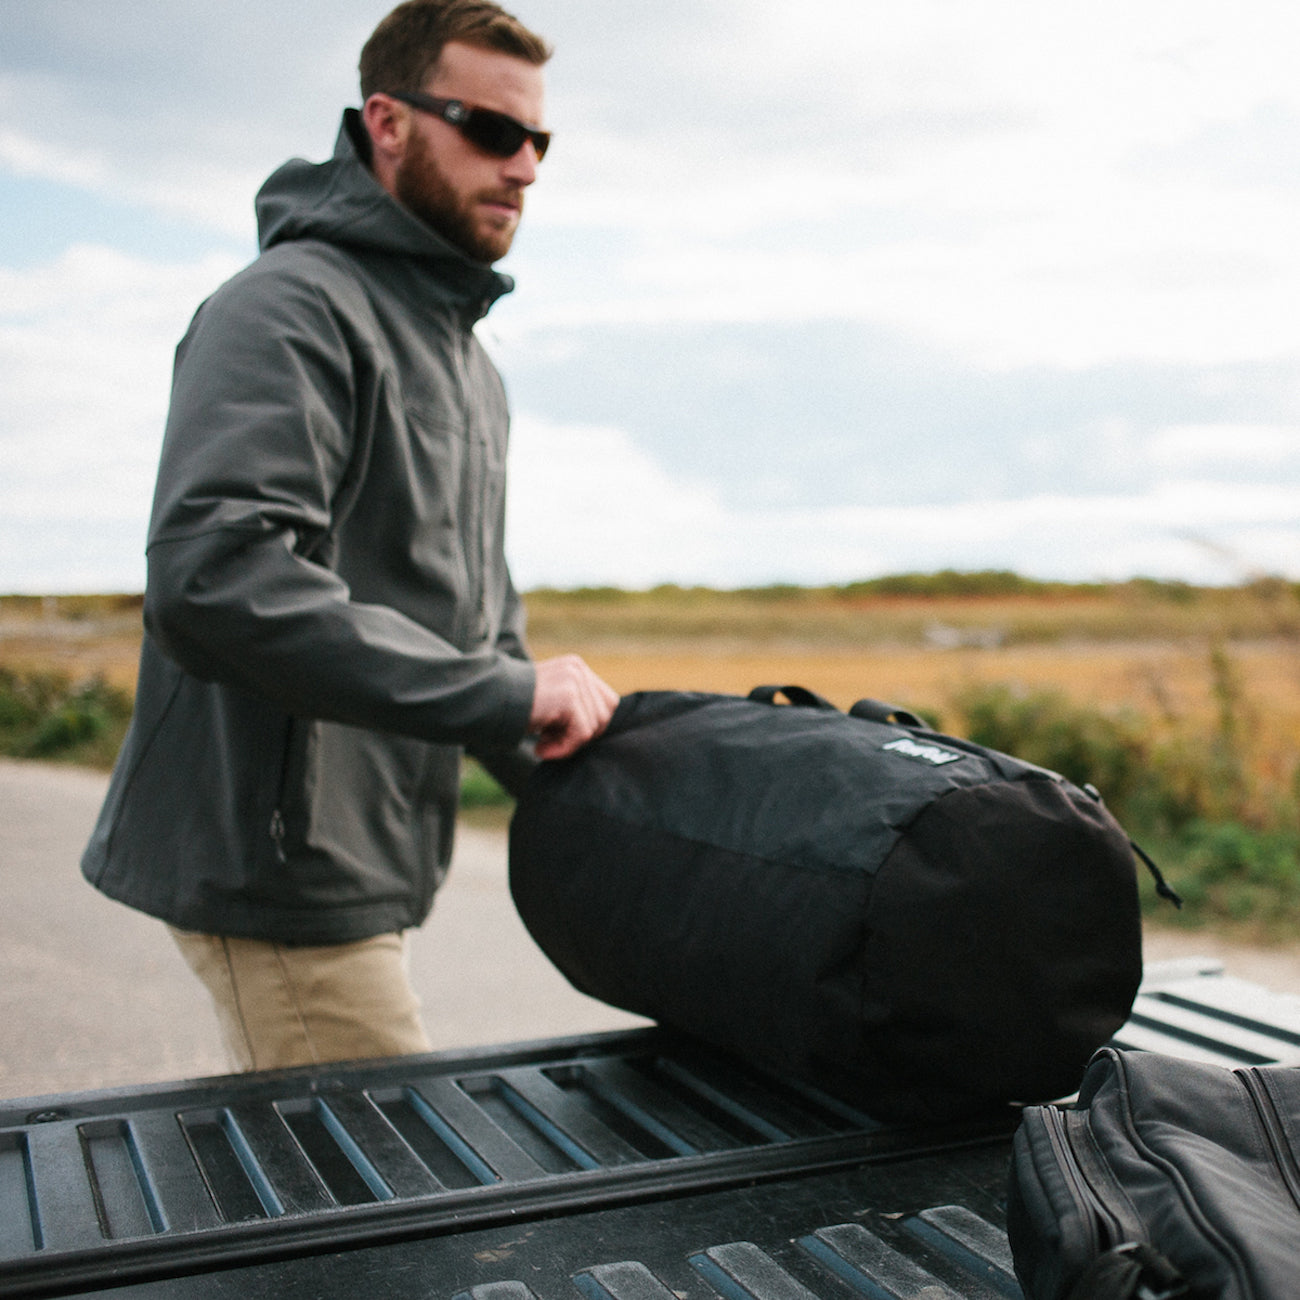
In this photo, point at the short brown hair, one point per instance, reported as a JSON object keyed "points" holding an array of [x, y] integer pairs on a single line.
{"points": [[407, 44]]}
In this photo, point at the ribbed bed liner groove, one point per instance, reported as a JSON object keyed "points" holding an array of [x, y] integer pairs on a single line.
{"points": [[175, 1190]]}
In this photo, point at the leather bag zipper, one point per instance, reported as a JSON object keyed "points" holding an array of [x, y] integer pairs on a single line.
{"points": [[1071, 1145], [1274, 1132], [1101, 1226]]}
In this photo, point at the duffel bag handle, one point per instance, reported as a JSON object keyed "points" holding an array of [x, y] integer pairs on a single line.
{"points": [[798, 695], [871, 710], [879, 711]]}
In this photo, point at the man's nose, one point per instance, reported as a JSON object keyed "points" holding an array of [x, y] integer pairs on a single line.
{"points": [[521, 166]]}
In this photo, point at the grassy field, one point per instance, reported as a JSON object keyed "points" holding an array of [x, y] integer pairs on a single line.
{"points": [[919, 639], [1181, 703], [1173, 655]]}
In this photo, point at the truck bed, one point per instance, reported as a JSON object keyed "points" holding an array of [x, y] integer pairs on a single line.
{"points": [[623, 1166]]}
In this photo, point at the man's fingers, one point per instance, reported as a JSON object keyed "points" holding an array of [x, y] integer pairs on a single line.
{"points": [[571, 705]]}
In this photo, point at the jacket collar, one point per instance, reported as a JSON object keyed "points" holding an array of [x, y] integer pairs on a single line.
{"points": [[340, 202]]}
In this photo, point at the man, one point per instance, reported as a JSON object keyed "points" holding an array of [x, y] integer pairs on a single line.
{"points": [[329, 618]]}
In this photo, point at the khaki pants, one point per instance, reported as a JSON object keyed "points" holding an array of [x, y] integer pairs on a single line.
{"points": [[280, 1005]]}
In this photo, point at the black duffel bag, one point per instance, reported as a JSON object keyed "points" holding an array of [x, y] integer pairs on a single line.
{"points": [[913, 922]]}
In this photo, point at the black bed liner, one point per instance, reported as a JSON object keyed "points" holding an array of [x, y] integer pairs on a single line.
{"points": [[621, 1166]]}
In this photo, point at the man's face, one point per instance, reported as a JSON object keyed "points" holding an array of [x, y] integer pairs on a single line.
{"points": [[469, 197]]}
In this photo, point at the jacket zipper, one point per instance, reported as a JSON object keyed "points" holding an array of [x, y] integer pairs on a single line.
{"points": [[277, 828], [473, 487], [1274, 1132], [277, 835]]}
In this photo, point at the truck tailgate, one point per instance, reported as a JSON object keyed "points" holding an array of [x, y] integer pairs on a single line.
{"points": [[624, 1166]]}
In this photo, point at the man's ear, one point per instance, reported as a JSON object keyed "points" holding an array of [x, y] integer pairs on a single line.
{"points": [[388, 123]]}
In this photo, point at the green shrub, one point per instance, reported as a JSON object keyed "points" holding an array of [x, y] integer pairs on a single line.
{"points": [[1229, 852], [1086, 746], [1234, 875], [951, 582], [478, 789], [47, 715], [1187, 797]]}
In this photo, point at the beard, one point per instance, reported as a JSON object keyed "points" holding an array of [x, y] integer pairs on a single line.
{"points": [[422, 187]]}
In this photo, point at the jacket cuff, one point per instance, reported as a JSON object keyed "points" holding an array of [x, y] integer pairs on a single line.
{"points": [[518, 684]]}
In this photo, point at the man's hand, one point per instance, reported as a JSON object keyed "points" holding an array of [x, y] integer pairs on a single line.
{"points": [[571, 706]]}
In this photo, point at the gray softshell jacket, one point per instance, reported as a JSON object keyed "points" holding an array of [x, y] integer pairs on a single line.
{"points": [[327, 589]]}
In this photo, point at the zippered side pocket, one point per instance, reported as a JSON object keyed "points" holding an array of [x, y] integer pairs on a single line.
{"points": [[1097, 1191], [1066, 1209]]}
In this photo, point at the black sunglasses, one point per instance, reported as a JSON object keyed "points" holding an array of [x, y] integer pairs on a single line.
{"points": [[496, 133]]}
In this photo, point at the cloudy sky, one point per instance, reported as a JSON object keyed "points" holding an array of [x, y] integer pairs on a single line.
{"points": [[880, 287]]}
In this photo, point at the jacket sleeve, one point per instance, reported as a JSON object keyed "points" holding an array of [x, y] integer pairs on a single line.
{"points": [[509, 765], [261, 452]]}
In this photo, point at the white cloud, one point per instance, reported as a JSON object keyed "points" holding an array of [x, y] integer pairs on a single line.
{"points": [[28, 156], [1022, 185], [1065, 292], [1013, 184], [590, 508], [85, 356], [199, 190], [1207, 446], [992, 171], [586, 503], [1019, 184]]}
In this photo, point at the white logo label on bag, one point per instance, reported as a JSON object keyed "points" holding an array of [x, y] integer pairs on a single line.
{"points": [[923, 751]]}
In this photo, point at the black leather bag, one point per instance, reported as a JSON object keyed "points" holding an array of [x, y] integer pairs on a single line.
{"points": [[1168, 1178], [915, 923]]}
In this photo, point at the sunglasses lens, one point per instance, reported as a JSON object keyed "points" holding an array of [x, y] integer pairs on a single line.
{"points": [[497, 134], [493, 132]]}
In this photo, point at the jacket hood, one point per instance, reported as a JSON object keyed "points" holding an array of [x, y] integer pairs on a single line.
{"points": [[341, 203]]}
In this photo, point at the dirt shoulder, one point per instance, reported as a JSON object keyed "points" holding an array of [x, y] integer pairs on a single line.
{"points": [[1276, 967]]}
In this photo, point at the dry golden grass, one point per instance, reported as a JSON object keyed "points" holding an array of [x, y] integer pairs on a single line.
{"points": [[95, 636], [1174, 659], [1133, 646], [1172, 686]]}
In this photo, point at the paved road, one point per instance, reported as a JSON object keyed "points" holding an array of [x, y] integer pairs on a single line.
{"points": [[93, 995]]}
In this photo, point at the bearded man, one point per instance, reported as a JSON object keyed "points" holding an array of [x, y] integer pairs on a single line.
{"points": [[329, 618]]}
